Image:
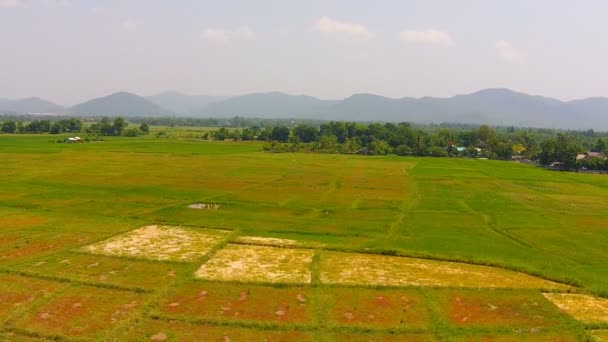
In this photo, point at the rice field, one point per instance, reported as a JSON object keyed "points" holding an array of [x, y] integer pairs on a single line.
{"points": [[146, 239]]}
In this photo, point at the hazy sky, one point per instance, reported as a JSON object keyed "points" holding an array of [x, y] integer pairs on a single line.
{"points": [[69, 50]]}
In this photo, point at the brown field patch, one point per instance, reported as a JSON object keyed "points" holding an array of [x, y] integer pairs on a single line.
{"points": [[14, 337], [376, 308], [39, 244], [258, 264], [82, 311], [239, 302], [365, 337], [17, 292], [587, 309], [161, 243], [553, 336], [20, 221], [104, 270], [270, 241], [161, 330], [370, 269], [494, 308]]}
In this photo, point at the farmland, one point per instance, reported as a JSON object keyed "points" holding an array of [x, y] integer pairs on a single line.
{"points": [[181, 239]]}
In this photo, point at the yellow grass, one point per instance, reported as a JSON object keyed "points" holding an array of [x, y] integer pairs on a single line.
{"points": [[160, 243], [258, 264], [369, 269], [587, 309]]}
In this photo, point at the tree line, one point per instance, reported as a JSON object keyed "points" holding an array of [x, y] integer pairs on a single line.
{"points": [[546, 146], [105, 127]]}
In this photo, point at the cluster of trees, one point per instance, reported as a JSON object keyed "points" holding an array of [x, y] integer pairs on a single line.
{"points": [[105, 127], [42, 126], [117, 127], [545, 145]]}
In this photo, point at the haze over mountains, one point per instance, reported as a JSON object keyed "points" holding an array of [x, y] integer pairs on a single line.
{"points": [[492, 106]]}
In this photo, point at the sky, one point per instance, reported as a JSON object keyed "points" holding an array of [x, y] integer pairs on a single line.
{"points": [[69, 51]]}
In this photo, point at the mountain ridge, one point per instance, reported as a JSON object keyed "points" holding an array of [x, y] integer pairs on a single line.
{"points": [[497, 106]]}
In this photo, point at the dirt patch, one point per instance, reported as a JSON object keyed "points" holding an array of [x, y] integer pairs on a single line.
{"points": [[205, 206], [161, 330], [21, 221], [494, 308], [239, 302], [17, 292], [587, 309], [268, 241], [376, 308], [258, 264], [160, 243], [370, 269], [553, 336], [82, 312], [382, 337], [39, 244]]}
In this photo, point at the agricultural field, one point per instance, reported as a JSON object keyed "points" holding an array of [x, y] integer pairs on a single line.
{"points": [[178, 239]]}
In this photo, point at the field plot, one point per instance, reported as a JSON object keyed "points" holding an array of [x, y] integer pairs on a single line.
{"points": [[496, 308], [40, 243], [370, 269], [14, 337], [380, 337], [161, 243], [375, 308], [17, 292], [103, 270], [162, 330], [258, 264], [81, 312], [217, 301], [553, 336], [277, 242], [587, 309]]}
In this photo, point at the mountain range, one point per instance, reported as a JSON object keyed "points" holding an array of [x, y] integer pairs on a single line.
{"points": [[496, 106]]}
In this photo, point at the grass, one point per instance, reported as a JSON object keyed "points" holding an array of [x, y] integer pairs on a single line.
{"points": [[56, 199]]}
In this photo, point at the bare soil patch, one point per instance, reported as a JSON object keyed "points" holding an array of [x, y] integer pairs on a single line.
{"points": [[161, 330], [205, 206], [376, 308], [82, 312], [258, 264], [17, 292], [239, 302], [585, 308], [160, 243], [494, 308], [370, 269]]}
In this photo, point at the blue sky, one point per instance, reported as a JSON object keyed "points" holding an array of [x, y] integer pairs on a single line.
{"points": [[69, 50]]}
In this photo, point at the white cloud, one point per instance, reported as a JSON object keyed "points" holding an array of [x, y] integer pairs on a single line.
{"points": [[129, 24], [430, 36], [10, 3], [508, 53], [336, 28], [224, 35]]}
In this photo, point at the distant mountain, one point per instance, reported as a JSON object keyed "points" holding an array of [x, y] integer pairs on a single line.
{"points": [[496, 106], [268, 105], [181, 103], [122, 103], [31, 105]]}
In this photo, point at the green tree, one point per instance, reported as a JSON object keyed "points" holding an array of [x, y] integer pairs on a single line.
{"points": [[280, 134], [119, 125], [144, 127], [9, 126]]}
